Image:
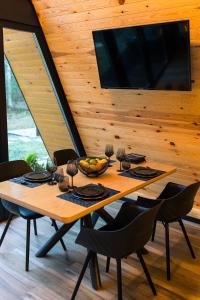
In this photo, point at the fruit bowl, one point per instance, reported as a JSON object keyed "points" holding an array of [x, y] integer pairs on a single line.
{"points": [[92, 166]]}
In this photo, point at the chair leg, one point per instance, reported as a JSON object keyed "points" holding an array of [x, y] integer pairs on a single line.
{"points": [[187, 238], [35, 227], [147, 273], [107, 264], [88, 258], [154, 231], [28, 229], [119, 279], [6, 228], [167, 250], [61, 240]]}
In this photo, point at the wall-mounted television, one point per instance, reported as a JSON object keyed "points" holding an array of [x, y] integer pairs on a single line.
{"points": [[152, 57]]}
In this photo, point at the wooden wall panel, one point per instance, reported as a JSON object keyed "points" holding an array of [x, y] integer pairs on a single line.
{"points": [[27, 65], [164, 125]]}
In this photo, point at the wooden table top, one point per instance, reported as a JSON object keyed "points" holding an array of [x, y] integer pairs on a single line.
{"points": [[44, 200]]}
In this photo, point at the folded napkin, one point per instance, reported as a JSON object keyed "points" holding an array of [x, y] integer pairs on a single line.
{"points": [[135, 158]]}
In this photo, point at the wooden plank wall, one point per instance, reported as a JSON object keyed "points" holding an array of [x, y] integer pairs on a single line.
{"points": [[27, 65], [164, 125]]}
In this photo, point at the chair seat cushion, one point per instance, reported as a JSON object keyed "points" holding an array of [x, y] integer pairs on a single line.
{"points": [[28, 214]]}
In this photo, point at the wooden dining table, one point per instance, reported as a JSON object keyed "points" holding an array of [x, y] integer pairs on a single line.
{"points": [[44, 200]]}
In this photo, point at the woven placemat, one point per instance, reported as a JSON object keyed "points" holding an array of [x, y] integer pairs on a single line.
{"points": [[130, 175], [22, 181], [86, 203]]}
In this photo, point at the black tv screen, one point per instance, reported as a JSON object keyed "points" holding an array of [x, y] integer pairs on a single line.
{"points": [[153, 56]]}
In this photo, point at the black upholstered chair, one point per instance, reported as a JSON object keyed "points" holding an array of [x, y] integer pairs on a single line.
{"points": [[128, 233], [177, 202], [9, 170], [62, 156]]}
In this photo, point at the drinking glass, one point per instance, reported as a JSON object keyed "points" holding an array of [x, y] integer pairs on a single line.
{"points": [[63, 184], [109, 151], [120, 156], [126, 165], [72, 170], [51, 167]]}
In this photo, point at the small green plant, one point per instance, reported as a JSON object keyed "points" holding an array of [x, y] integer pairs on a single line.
{"points": [[32, 161]]}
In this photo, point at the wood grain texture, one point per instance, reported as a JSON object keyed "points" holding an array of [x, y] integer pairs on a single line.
{"points": [[44, 200], [54, 277], [164, 125], [26, 63]]}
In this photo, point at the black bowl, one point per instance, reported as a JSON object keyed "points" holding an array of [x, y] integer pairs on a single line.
{"points": [[88, 167]]}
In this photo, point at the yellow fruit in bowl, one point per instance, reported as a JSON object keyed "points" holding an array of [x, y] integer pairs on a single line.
{"points": [[92, 168], [99, 166], [93, 161], [103, 161], [84, 164]]}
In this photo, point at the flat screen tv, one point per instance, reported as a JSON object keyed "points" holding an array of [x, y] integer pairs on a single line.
{"points": [[152, 57]]}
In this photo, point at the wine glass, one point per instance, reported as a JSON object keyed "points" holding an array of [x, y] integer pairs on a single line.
{"points": [[126, 165], [51, 167], [120, 156], [109, 151], [72, 170]]}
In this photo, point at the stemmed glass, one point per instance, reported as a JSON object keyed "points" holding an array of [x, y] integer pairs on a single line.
{"points": [[72, 170], [109, 151], [120, 156], [51, 167], [126, 165]]}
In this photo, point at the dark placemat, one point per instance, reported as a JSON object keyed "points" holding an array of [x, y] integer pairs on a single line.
{"points": [[128, 174], [22, 181], [70, 197]]}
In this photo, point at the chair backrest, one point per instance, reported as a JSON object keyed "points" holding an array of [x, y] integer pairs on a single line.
{"points": [[12, 169], [178, 201], [9, 170], [122, 242], [62, 156]]}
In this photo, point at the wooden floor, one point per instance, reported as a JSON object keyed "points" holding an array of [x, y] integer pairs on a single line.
{"points": [[54, 277]]}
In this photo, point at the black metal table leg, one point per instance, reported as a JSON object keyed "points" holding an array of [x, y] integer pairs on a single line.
{"points": [[93, 264], [61, 240], [54, 239], [95, 218], [105, 215]]}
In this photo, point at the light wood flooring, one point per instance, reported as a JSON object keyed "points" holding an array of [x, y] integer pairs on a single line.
{"points": [[54, 277]]}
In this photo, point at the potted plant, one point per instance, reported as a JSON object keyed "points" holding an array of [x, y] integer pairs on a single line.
{"points": [[32, 161]]}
